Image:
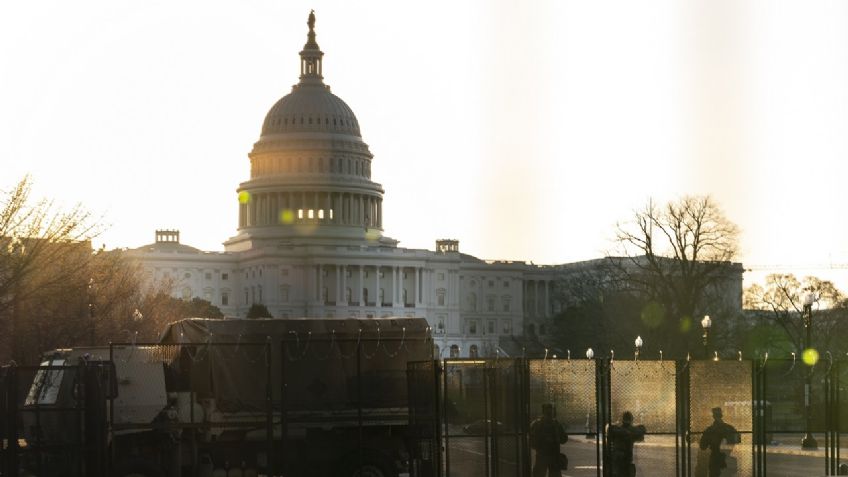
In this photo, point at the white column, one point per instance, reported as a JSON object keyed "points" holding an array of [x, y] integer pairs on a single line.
{"points": [[378, 300], [415, 292], [338, 285], [361, 286], [344, 285], [319, 294]]}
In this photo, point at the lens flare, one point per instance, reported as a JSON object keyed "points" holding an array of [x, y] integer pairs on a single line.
{"points": [[653, 314], [286, 216], [810, 356], [244, 197], [685, 324]]}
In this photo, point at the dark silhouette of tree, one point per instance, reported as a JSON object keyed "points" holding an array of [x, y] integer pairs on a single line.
{"points": [[678, 256], [44, 253], [258, 310], [780, 302]]}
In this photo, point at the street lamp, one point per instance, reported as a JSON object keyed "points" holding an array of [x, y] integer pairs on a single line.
{"points": [[706, 324], [808, 442], [638, 344]]}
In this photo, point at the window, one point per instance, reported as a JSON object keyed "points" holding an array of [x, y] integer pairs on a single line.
{"points": [[491, 330], [225, 276], [347, 273], [491, 283], [507, 327], [382, 296], [284, 293], [187, 275], [506, 300], [365, 295], [245, 296], [454, 351], [472, 301], [207, 295], [506, 283], [436, 352], [542, 329], [472, 352], [440, 297], [380, 273], [208, 275], [284, 272], [186, 293], [260, 272], [440, 276], [404, 296], [324, 294], [490, 303], [440, 323], [348, 294], [260, 293], [472, 327], [225, 299]]}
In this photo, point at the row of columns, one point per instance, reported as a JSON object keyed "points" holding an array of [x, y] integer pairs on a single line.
{"points": [[340, 208], [393, 285], [264, 165], [536, 293]]}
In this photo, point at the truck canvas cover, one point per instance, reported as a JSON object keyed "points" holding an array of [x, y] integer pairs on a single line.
{"points": [[315, 364]]}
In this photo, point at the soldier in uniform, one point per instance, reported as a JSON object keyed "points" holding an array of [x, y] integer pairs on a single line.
{"points": [[546, 435], [711, 439], [621, 437]]}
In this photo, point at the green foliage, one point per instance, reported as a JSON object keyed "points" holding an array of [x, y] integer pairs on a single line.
{"points": [[258, 310]]}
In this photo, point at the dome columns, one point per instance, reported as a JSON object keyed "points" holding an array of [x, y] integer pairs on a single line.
{"points": [[311, 207]]}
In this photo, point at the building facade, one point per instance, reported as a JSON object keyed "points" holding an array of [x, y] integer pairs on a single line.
{"points": [[310, 241]]}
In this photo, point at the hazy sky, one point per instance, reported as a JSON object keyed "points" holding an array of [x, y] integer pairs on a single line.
{"points": [[523, 129]]}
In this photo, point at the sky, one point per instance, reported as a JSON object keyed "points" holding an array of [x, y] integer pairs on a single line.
{"points": [[526, 130]]}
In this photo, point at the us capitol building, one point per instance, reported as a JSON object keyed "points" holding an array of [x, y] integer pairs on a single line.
{"points": [[310, 241]]}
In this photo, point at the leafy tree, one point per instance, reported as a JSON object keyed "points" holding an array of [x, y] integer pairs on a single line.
{"points": [[258, 310], [780, 302], [677, 256]]}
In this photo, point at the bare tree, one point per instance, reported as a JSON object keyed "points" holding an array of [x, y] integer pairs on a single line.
{"points": [[782, 299], [679, 255]]}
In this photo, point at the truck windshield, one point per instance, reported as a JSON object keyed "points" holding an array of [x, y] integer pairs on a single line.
{"points": [[45, 386]]}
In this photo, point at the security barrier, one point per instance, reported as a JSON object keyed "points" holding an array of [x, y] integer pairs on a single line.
{"points": [[702, 417]]}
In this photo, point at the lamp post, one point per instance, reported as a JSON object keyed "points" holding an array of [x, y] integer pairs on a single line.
{"points": [[706, 324], [638, 344], [808, 442]]}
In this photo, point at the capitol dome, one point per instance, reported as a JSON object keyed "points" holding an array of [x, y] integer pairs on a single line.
{"points": [[310, 108], [310, 170]]}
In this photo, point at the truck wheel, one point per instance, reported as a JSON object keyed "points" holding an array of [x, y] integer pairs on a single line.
{"points": [[137, 468]]}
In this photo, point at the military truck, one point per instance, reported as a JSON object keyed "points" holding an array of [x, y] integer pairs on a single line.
{"points": [[322, 397]]}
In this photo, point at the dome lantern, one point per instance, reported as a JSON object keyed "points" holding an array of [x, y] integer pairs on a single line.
{"points": [[311, 57]]}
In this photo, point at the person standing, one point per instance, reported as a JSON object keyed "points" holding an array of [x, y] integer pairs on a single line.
{"points": [[622, 437], [711, 439], [546, 435]]}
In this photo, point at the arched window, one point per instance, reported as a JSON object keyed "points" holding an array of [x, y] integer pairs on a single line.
{"points": [[454, 351], [472, 352]]}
